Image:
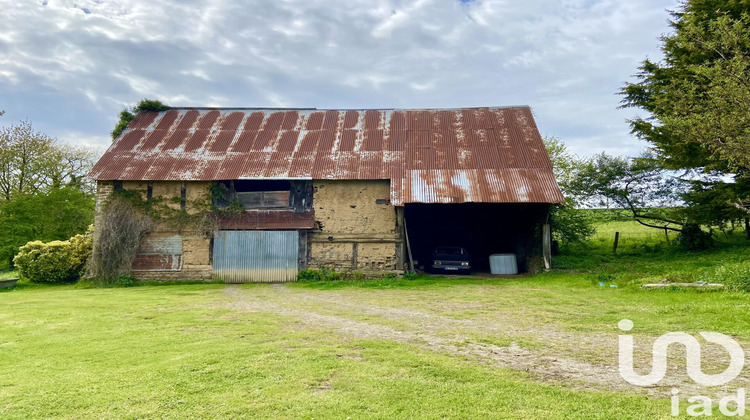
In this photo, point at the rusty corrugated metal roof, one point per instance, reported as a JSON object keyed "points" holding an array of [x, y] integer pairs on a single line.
{"points": [[263, 220], [491, 155]]}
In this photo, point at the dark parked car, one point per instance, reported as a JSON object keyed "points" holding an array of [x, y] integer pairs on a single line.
{"points": [[450, 259]]}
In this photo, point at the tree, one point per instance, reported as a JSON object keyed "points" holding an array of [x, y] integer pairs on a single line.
{"points": [[32, 162], [698, 99], [127, 115], [54, 215], [569, 225], [638, 185]]}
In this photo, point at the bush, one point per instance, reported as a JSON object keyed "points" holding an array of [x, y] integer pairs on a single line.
{"points": [[308, 275], [736, 276], [693, 238], [570, 225], [324, 274], [56, 261]]}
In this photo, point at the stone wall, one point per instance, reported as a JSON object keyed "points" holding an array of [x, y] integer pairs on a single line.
{"points": [[357, 227], [196, 247]]}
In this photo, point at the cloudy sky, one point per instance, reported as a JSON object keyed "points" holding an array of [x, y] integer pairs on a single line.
{"points": [[70, 66]]}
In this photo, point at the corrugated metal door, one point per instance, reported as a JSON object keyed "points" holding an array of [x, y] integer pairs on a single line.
{"points": [[255, 256]]}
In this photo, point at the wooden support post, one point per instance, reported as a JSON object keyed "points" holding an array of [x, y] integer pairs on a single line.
{"points": [[547, 246], [400, 246], [355, 251], [408, 247], [617, 240], [302, 250]]}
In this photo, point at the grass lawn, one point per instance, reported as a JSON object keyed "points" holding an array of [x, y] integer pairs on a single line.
{"points": [[538, 347]]}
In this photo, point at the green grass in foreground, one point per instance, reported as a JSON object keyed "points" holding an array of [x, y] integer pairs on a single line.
{"points": [[174, 352], [181, 352]]}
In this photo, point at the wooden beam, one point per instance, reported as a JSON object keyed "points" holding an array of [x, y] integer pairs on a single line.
{"points": [[547, 246], [408, 247]]}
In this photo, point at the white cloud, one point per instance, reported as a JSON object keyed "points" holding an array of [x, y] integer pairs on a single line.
{"points": [[71, 65]]}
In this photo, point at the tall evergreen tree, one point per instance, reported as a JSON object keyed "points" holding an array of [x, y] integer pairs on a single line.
{"points": [[698, 101]]}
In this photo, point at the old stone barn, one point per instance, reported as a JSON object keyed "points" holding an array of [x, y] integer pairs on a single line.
{"points": [[368, 190]]}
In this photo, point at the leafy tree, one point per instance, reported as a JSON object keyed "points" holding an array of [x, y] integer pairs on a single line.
{"points": [[54, 215], [569, 225], [32, 162], [638, 185], [698, 99], [127, 115]]}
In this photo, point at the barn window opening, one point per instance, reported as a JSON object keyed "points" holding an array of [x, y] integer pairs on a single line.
{"points": [[252, 194]]}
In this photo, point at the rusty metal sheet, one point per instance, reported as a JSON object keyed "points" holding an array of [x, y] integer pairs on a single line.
{"points": [[315, 121], [176, 139], [290, 120], [197, 140], [222, 141], [310, 141], [188, 120], [220, 144], [397, 121], [372, 141], [208, 119], [302, 164], [254, 121], [273, 121], [167, 119], [351, 118], [373, 119], [268, 219], [232, 121], [288, 142], [159, 252], [331, 120], [256, 164], [154, 138], [371, 165], [232, 166], [142, 120], [282, 161], [129, 141], [418, 120], [244, 142], [161, 168], [478, 185], [348, 140]]}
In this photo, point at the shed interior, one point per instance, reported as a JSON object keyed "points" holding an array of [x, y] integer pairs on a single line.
{"points": [[482, 228]]}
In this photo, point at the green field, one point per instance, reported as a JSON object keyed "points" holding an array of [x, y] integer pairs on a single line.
{"points": [[426, 347]]}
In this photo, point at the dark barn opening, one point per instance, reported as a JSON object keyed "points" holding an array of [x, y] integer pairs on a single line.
{"points": [[482, 228]]}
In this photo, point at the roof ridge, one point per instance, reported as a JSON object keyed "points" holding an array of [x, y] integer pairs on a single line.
{"points": [[220, 108]]}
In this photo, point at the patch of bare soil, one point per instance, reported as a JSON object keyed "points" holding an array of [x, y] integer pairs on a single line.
{"points": [[454, 336]]}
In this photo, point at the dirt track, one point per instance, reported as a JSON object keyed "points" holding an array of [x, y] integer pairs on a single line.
{"points": [[336, 311]]}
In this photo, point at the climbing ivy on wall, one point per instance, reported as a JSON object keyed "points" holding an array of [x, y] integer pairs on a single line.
{"points": [[130, 214]]}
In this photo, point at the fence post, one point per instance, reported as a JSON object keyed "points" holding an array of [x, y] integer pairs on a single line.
{"points": [[617, 239]]}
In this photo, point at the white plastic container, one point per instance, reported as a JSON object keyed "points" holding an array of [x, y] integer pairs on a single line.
{"points": [[503, 264]]}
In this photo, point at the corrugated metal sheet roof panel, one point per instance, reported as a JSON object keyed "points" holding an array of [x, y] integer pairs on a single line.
{"points": [[430, 155], [143, 119], [260, 220]]}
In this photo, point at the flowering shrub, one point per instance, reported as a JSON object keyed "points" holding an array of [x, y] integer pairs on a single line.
{"points": [[56, 261]]}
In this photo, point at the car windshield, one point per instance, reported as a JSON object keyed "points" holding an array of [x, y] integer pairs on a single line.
{"points": [[449, 251]]}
